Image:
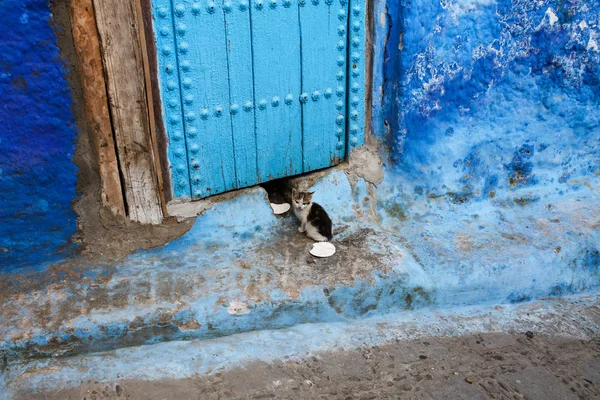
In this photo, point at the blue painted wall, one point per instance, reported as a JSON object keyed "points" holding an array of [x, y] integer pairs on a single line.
{"points": [[490, 115], [37, 134], [485, 96]]}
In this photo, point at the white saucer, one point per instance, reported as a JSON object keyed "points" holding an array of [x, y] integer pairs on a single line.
{"points": [[322, 249], [280, 208]]}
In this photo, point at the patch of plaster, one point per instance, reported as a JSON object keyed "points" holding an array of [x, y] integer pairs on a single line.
{"points": [[552, 18], [237, 307], [364, 162]]}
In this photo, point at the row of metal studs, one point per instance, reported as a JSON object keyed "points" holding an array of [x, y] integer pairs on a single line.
{"points": [[177, 144], [262, 104], [341, 61], [243, 5], [182, 29], [355, 57]]}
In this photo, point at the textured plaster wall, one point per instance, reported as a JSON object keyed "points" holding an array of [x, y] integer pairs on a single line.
{"points": [[483, 96], [489, 110], [37, 134]]}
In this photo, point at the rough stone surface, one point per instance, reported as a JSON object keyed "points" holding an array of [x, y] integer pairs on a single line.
{"points": [[481, 352], [492, 107], [485, 366], [477, 81], [233, 255]]}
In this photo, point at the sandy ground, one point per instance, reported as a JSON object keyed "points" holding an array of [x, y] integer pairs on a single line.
{"points": [[487, 366]]}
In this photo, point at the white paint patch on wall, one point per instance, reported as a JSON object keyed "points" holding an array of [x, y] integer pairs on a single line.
{"points": [[458, 7], [592, 43], [474, 3], [551, 16]]}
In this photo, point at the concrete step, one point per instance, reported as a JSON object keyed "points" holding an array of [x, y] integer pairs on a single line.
{"points": [[240, 268], [572, 317]]}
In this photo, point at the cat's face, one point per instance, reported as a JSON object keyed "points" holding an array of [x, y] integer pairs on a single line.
{"points": [[301, 200]]}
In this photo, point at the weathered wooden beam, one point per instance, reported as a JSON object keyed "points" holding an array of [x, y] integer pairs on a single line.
{"points": [[160, 135], [150, 101], [87, 46], [122, 56]]}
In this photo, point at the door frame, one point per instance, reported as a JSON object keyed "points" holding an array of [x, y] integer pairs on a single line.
{"points": [[162, 141], [147, 204], [359, 70]]}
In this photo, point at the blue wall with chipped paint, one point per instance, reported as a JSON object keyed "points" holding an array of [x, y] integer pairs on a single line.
{"points": [[37, 135], [490, 115], [484, 96]]}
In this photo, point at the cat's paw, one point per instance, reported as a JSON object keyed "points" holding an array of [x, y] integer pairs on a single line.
{"points": [[301, 229]]}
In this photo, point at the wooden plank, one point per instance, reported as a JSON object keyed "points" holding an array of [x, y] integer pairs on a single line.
{"points": [[357, 69], [172, 110], [162, 140], [241, 91], [85, 35], [324, 26], [277, 82], [119, 38], [149, 104], [202, 60]]}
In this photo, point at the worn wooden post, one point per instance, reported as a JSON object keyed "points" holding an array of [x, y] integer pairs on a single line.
{"points": [[153, 86], [150, 103], [122, 57], [87, 45]]}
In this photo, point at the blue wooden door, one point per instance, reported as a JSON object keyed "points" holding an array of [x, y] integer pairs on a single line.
{"points": [[253, 91]]}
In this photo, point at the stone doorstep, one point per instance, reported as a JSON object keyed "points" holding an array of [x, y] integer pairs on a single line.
{"points": [[276, 287]]}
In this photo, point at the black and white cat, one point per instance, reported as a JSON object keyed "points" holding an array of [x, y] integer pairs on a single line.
{"points": [[313, 218]]}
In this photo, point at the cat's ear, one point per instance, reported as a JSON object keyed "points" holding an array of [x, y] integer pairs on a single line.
{"points": [[294, 192], [308, 195]]}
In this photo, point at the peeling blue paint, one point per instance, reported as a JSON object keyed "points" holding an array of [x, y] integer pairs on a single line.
{"points": [[37, 134], [493, 80]]}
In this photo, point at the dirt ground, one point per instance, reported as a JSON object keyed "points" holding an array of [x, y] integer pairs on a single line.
{"points": [[487, 366]]}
